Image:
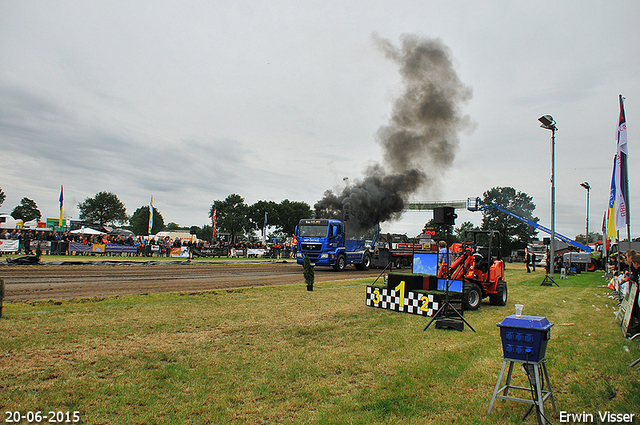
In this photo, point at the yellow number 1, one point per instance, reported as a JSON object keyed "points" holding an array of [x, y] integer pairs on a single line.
{"points": [[401, 287]]}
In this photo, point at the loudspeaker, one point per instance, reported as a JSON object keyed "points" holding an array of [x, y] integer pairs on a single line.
{"points": [[444, 215]]}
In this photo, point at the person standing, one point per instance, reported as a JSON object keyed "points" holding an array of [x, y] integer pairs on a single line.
{"points": [[533, 260], [26, 242], [527, 261], [444, 255]]}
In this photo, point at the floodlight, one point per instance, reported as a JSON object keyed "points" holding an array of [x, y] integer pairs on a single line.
{"points": [[588, 187], [547, 122]]}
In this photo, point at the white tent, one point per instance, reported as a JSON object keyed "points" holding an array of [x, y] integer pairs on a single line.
{"points": [[87, 231]]}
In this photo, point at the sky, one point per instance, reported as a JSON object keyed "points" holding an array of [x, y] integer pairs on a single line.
{"points": [[191, 101]]}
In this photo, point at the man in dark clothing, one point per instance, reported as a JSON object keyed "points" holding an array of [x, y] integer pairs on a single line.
{"points": [[26, 242], [533, 261]]}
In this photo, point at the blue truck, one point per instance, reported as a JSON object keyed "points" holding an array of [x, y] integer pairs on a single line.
{"points": [[325, 242]]}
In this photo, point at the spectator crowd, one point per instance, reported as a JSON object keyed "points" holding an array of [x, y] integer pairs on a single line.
{"points": [[60, 243]]}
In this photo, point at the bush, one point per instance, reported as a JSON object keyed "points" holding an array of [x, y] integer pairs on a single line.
{"points": [[308, 273]]}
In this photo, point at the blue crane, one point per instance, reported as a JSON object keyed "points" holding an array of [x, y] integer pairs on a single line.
{"points": [[473, 205]]}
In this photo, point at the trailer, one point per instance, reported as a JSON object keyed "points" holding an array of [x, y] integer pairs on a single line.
{"points": [[397, 250]]}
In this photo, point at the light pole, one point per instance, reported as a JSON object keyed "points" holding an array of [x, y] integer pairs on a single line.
{"points": [[586, 186], [548, 123]]}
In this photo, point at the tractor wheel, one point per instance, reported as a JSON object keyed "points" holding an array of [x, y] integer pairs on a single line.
{"points": [[472, 296], [592, 266], [366, 263], [341, 263], [500, 297]]}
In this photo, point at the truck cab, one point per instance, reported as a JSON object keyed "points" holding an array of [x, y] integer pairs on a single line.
{"points": [[325, 242]]}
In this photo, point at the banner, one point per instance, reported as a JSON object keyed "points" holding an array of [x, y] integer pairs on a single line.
{"points": [[103, 248], [182, 252], [622, 175], [611, 211], [9, 245], [121, 249], [44, 245], [80, 247]]}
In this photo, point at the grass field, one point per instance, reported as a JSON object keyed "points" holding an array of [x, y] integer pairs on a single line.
{"points": [[285, 355]]}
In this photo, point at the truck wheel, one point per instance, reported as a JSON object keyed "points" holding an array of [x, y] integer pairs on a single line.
{"points": [[366, 263], [500, 297], [341, 263], [592, 266], [472, 296]]}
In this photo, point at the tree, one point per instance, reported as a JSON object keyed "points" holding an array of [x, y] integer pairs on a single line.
{"points": [[2, 196], [443, 231], [26, 211], [257, 211], [593, 237], [205, 233], [231, 216], [290, 213], [308, 273], [464, 227], [515, 233], [173, 226], [140, 221], [104, 208]]}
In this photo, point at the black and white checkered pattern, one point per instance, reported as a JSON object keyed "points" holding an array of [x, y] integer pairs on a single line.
{"points": [[414, 302]]}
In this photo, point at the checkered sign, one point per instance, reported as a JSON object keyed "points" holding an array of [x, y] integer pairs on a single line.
{"points": [[413, 303]]}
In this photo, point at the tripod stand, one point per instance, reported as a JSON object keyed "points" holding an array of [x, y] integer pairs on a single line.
{"points": [[447, 322], [548, 279]]}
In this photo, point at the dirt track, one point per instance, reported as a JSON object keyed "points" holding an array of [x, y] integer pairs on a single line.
{"points": [[45, 282]]}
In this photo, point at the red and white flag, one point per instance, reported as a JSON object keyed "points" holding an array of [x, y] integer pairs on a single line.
{"points": [[215, 210], [621, 173]]}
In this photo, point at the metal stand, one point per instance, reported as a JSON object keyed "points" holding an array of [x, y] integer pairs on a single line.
{"points": [[548, 281], [539, 394], [449, 323]]}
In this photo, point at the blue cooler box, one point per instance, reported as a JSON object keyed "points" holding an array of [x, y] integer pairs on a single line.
{"points": [[525, 337]]}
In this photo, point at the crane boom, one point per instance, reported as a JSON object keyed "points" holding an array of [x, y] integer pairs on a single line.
{"points": [[563, 238]]}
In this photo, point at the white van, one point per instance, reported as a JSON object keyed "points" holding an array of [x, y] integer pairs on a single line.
{"points": [[7, 222]]}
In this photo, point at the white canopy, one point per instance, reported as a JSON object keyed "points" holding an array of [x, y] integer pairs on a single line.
{"points": [[87, 231]]}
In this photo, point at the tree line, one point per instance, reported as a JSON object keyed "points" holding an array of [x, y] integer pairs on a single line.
{"points": [[236, 218], [233, 215]]}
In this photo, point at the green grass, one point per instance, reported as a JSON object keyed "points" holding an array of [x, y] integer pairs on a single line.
{"points": [[286, 355]]}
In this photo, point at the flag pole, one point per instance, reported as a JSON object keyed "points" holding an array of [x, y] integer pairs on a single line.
{"points": [[623, 154], [61, 200], [150, 215]]}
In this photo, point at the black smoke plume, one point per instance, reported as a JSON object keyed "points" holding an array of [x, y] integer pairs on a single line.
{"points": [[419, 142]]}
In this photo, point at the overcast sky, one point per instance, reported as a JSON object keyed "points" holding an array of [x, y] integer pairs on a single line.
{"points": [[190, 101]]}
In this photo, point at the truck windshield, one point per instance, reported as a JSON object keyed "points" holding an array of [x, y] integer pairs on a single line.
{"points": [[313, 231]]}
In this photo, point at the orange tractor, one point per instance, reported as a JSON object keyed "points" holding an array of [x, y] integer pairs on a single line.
{"points": [[478, 263]]}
